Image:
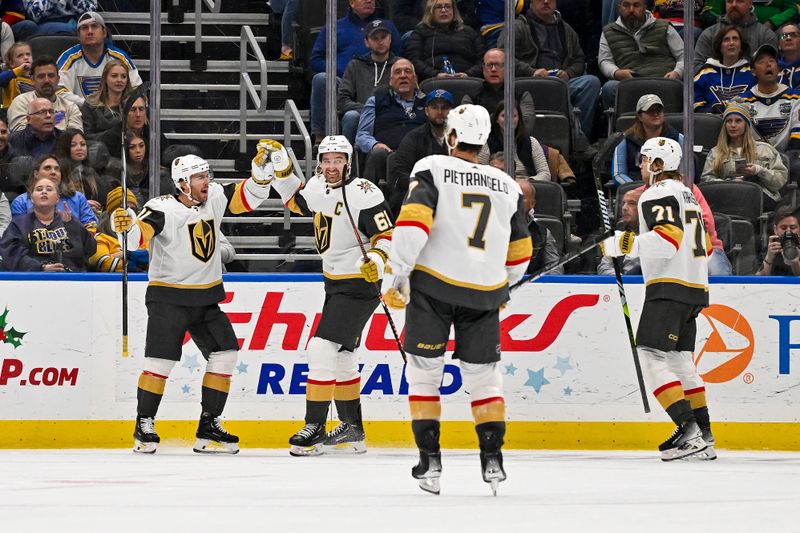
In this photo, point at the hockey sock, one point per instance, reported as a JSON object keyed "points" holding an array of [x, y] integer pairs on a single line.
{"points": [[668, 394], [149, 393], [489, 410], [426, 435], [697, 397], [702, 417], [680, 412], [490, 436], [347, 395], [215, 392]]}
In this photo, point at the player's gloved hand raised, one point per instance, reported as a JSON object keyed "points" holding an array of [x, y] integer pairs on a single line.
{"points": [[261, 167], [621, 243], [122, 220], [396, 290], [278, 157]]}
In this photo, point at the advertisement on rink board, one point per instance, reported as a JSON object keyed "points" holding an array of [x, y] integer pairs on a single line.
{"points": [[566, 355]]}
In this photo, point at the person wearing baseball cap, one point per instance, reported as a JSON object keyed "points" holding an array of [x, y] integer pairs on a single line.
{"points": [[425, 140], [775, 107], [650, 122], [81, 66]]}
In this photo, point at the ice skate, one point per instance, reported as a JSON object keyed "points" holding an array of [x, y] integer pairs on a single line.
{"points": [[428, 471], [709, 454], [212, 437], [308, 441], [345, 438], [686, 440], [492, 469], [145, 438]]}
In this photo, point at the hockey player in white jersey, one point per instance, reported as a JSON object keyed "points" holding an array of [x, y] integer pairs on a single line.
{"points": [[351, 293], [184, 291], [460, 239], [673, 248]]}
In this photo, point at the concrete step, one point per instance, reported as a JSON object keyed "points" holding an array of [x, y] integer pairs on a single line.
{"points": [[216, 19], [185, 38], [182, 65], [225, 114], [215, 87]]}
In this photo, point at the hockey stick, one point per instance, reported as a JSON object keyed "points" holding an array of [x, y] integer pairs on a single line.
{"points": [[563, 261], [377, 288], [601, 198]]}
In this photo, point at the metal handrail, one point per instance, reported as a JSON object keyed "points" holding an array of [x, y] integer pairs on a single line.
{"points": [[292, 114], [214, 7], [259, 97]]}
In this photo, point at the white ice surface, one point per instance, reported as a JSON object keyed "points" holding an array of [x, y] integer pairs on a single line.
{"points": [[175, 490]]}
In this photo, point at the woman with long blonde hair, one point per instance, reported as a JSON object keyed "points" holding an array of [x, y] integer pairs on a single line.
{"points": [[102, 110]]}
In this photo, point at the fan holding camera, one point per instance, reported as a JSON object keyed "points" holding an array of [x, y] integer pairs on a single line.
{"points": [[782, 256]]}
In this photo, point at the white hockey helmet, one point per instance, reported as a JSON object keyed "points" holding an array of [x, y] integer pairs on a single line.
{"points": [[471, 124], [667, 150], [335, 144], [185, 166]]}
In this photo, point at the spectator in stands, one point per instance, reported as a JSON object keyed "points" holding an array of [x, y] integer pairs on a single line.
{"points": [[101, 111], [726, 75], [350, 31], [10, 184], [782, 257], [408, 13], [81, 66], [40, 135], [46, 239], [529, 156], [423, 141], [545, 248], [5, 215], [442, 45], [388, 116], [57, 16], [789, 60], [552, 48], [629, 221], [738, 156], [44, 74], [492, 92], [775, 107], [738, 13], [287, 9], [672, 12], [638, 44], [16, 79], [12, 13], [363, 75], [560, 171], [136, 122], [649, 123], [73, 157], [108, 257], [772, 13], [72, 203], [138, 166], [492, 17]]}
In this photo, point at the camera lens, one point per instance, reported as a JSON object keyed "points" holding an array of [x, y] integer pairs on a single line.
{"points": [[789, 243]]}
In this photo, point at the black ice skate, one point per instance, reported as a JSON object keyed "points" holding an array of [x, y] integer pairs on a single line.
{"points": [[686, 440], [346, 438], [428, 471], [492, 469], [212, 437], [145, 438], [709, 454], [308, 441]]}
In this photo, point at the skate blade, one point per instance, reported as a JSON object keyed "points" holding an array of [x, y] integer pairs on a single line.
{"points": [[348, 448], [687, 449], [144, 447], [709, 454], [306, 451], [211, 446], [494, 483], [430, 484]]}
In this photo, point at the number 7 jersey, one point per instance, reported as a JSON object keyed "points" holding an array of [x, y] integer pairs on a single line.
{"points": [[673, 244]]}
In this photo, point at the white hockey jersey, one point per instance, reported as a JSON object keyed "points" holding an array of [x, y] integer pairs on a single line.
{"points": [[776, 116], [185, 267], [333, 233], [673, 244], [462, 231], [82, 78]]}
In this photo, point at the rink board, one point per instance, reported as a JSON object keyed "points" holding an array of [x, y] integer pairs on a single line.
{"points": [[567, 365]]}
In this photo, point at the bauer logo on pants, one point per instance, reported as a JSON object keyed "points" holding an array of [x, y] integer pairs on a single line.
{"points": [[203, 237], [725, 344]]}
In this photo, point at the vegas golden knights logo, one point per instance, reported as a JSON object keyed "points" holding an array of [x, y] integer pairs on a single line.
{"points": [[203, 237], [323, 226]]}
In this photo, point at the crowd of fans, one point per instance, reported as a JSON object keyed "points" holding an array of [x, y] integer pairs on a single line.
{"points": [[66, 112]]}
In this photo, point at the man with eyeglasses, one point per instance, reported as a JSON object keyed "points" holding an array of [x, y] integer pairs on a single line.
{"points": [[789, 59], [39, 136], [738, 13], [45, 78], [492, 92]]}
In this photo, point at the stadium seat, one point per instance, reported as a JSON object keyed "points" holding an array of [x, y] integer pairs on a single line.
{"points": [[554, 130], [551, 97], [551, 201], [458, 86], [51, 45], [629, 91], [742, 201], [556, 227]]}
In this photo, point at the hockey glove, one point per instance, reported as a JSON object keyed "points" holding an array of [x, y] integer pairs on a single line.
{"points": [[278, 156], [122, 220], [621, 243], [373, 268], [261, 167], [397, 292]]}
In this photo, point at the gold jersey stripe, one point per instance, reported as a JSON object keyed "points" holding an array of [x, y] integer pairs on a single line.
{"points": [[697, 399], [678, 282], [670, 395], [456, 283], [519, 251], [217, 382], [382, 235], [347, 392], [489, 412], [186, 286], [673, 234], [425, 410], [238, 203], [416, 214], [147, 233], [152, 384], [342, 276], [319, 393]]}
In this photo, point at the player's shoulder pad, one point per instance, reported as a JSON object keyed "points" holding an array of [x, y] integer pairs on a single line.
{"points": [[426, 163], [364, 192], [658, 190]]}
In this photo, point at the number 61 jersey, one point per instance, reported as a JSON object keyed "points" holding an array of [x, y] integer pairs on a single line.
{"points": [[673, 244]]}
